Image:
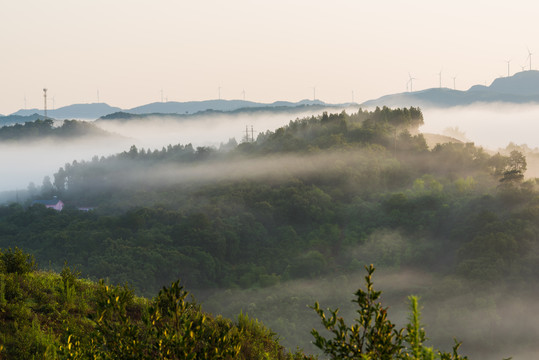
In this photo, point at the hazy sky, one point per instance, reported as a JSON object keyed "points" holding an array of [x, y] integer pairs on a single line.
{"points": [[274, 50]]}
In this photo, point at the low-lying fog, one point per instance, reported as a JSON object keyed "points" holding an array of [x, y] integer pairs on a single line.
{"points": [[490, 126], [492, 324], [26, 161]]}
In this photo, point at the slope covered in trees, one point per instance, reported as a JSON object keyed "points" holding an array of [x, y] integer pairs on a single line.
{"points": [[288, 205], [47, 315], [319, 197], [40, 129], [59, 316]]}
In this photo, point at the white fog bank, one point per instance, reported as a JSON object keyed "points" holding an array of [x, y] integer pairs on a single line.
{"points": [[491, 126], [29, 161]]}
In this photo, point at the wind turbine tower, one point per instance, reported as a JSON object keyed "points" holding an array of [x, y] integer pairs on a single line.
{"points": [[411, 81], [530, 57], [314, 93], [508, 62], [454, 86], [440, 79], [45, 102], [243, 94]]}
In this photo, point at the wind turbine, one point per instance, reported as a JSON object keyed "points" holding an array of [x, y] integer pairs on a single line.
{"points": [[243, 93], [411, 81], [529, 57], [508, 62], [314, 93], [440, 78], [454, 86]]}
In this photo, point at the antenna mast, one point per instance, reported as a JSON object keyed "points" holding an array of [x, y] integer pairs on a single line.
{"points": [[45, 102]]}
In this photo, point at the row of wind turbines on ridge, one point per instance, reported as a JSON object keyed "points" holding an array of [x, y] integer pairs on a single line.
{"points": [[410, 82]]}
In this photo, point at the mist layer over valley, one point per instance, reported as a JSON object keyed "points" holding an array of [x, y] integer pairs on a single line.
{"points": [[491, 126], [290, 216], [28, 160]]}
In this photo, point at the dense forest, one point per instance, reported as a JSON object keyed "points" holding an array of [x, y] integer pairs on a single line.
{"points": [[49, 316], [316, 199], [40, 129]]}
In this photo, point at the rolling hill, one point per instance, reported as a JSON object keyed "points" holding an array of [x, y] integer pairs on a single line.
{"points": [[521, 88]]}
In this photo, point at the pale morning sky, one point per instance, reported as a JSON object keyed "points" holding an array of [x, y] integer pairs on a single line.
{"points": [[129, 50]]}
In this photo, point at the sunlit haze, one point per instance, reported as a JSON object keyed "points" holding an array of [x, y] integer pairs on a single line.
{"points": [[130, 51]]}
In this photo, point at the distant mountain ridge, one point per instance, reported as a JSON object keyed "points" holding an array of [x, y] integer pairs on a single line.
{"points": [[292, 110], [75, 111], [98, 110], [190, 107], [19, 119], [521, 88]]}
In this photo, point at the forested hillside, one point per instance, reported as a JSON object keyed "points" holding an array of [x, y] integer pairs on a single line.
{"points": [[322, 196], [46, 315], [40, 129], [59, 316]]}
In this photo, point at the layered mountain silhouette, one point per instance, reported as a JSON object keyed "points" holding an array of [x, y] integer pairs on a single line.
{"points": [[521, 88], [192, 107], [75, 111], [19, 119], [98, 110]]}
